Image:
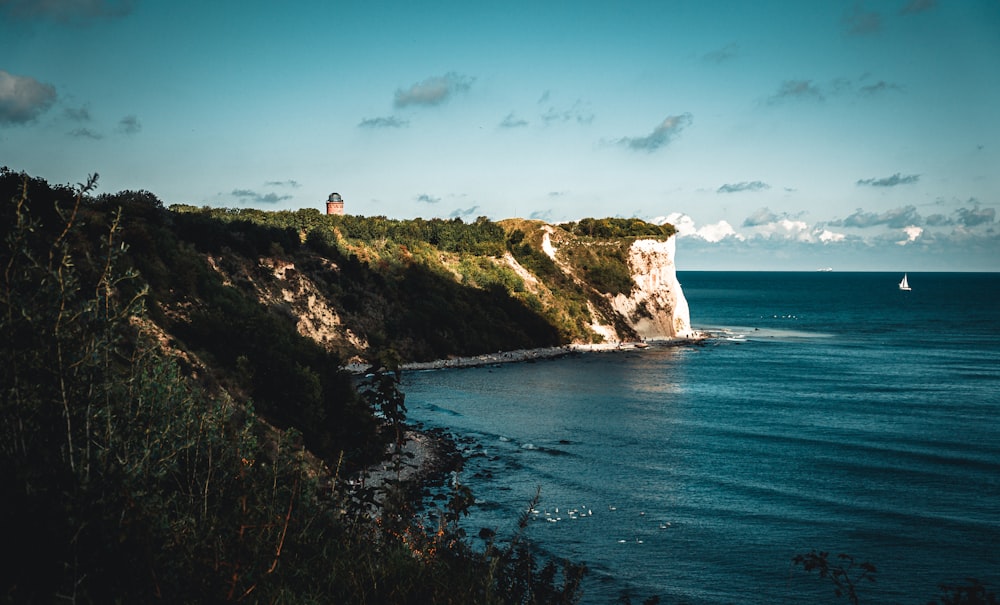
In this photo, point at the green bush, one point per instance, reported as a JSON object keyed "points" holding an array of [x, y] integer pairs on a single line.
{"points": [[483, 273], [610, 228], [604, 266]]}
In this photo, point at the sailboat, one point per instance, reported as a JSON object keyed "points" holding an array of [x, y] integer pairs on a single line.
{"points": [[904, 285]]}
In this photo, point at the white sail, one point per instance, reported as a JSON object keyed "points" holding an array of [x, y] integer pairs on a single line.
{"points": [[904, 285]]}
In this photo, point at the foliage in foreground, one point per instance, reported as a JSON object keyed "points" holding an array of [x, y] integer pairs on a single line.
{"points": [[847, 575], [124, 481]]}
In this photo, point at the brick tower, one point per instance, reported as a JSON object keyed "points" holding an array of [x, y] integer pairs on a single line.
{"points": [[334, 204]]}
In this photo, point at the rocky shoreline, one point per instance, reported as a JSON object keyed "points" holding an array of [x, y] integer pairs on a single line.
{"points": [[528, 355], [426, 459], [520, 355], [523, 355]]}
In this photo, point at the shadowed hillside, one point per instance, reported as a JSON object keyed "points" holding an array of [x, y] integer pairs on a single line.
{"points": [[162, 370]]}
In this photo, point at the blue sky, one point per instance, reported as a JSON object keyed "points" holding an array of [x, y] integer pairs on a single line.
{"points": [[777, 135]]}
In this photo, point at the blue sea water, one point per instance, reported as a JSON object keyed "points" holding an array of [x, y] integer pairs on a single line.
{"points": [[831, 411]]}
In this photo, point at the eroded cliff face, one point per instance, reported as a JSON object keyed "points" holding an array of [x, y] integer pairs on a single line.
{"points": [[656, 307], [278, 284], [641, 300]]}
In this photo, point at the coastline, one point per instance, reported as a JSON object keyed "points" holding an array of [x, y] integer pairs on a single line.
{"points": [[419, 473], [528, 355], [523, 355], [426, 457]]}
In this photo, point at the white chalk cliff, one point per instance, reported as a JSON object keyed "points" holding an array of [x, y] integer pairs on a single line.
{"points": [[656, 307]]}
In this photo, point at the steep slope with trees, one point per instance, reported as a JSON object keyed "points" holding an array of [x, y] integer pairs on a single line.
{"points": [[152, 422], [175, 424]]}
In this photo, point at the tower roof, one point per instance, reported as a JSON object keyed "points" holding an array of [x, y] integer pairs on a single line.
{"points": [[334, 197]]}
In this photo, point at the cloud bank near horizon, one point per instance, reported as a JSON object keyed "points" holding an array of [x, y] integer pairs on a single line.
{"points": [[899, 226]]}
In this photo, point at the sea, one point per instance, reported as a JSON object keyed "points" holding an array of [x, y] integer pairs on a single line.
{"points": [[826, 412]]}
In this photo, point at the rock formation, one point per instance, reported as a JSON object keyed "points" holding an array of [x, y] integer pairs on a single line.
{"points": [[656, 307], [551, 287]]}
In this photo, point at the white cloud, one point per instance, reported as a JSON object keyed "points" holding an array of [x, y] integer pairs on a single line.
{"points": [[685, 227], [717, 232], [22, 98], [777, 229], [826, 236], [787, 242], [912, 233], [683, 223], [784, 228]]}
